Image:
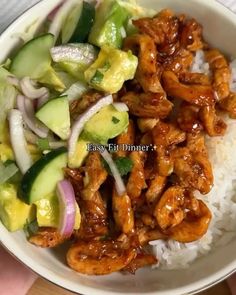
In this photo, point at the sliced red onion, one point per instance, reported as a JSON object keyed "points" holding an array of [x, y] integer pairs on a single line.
{"points": [[54, 12], [121, 106], [18, 142], [57, 144], [42, 100], [60, 16], [120, 186], [76, 90], [74, 52], [13, 81], [29, 90], [216, 96], [82, 119], [30, 136], [26, 107], [33, 139], [67, 205]]}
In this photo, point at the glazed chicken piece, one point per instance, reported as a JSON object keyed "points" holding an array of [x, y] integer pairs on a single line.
{"points": [[155, 189], [136, 182], [170, 210], [162, 28], [179, 62], [146, 124], [123, 212], [194, 78], [221, 73], [99, 257], [126, 137], [76, 179], [146, 234], [94, 222], [191, 35], [141, 260], [147, 105], [78, 106], [198, 95], [193, 227], [229, 105], [47, 238], [95, 175], [188, 118], [213, 124], [165, 136], [148, 72], [192, 166]]}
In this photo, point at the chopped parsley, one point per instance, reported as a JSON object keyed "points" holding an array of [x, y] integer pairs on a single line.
{"points": [[106, 66], [43, 144], [115, 120], [123, 164], [97, 78]]}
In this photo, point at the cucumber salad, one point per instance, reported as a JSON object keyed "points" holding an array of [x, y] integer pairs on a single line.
{"points": [[57, 95]]}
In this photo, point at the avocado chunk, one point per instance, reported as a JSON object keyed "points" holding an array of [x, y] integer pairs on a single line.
{"points": [[55, 114], [47, 212], [110, 18], [109, 123], [13, 212], [111, 69], [52, 80], [80, 154]]}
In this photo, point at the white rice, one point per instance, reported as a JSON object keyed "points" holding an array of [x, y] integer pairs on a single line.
{"points": [[221, 200]]}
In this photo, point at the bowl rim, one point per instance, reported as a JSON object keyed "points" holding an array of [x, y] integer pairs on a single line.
{"points": [[62, 282]]}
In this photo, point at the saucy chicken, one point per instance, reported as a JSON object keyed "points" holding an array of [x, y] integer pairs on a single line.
{"points": [[171, 110]]}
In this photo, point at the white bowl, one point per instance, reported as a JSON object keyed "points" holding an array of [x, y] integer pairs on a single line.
{"points": [[220, 30]]}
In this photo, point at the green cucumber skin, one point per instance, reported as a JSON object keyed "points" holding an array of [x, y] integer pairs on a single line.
{"points": [[50, 100], [22, 67], [32, 174], [84, 25]]}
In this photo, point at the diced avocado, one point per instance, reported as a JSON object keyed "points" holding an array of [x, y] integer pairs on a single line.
{"points": [[41, 179], [52, 79], [47, 212], [13, 212], [81, 152], [33, 59], [109, 124], [112, 68], [73, 68], [67, 79], [6, 152], [110, 19], [55, 114]]}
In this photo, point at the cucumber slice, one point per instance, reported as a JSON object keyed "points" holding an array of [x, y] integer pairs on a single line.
{"points": [[33, 59], [41, 179], [71, 22], [55, 114], [84, 24]]}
